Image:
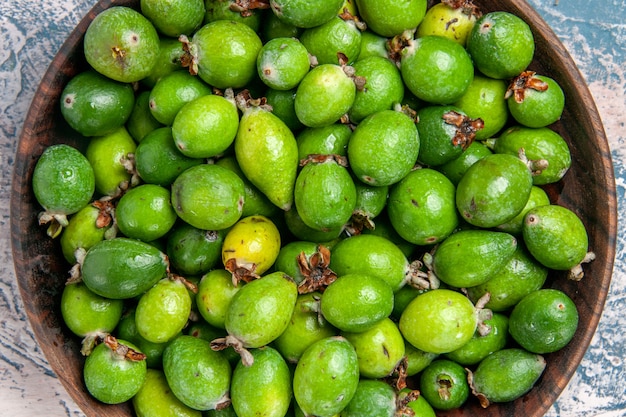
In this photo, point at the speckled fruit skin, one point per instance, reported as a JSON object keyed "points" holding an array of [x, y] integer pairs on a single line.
{"points": [[305, 13]]}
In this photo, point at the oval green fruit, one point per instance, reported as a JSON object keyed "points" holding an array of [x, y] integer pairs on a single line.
{"points": [[155, 398]]}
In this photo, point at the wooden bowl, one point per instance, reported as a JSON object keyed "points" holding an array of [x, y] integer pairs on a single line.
{"points": [[588, 189]]}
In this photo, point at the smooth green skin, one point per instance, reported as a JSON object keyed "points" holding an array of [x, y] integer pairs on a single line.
{"points": [[539, 108], [325, 195], [436, 69], [402, 297], [373, 45], [168, 61], [555, 236], [155, 399], [263, 388], [417, 360], [326, 140], [204, 330], [301, 231], [378, 349], [420, 406], [127, 330], [226, 53], [215, 293], [356, 302], [324, 95], [175, 17], [172, 91], [326, 377], [479, 347], [125, 30], [436, 135], [304, 328], [197, 375], [373, 398], [95, 105], [63, 180], [105, 154], [484, 99], [446, 21], [287, 258], [194, 251], [443, 374], [538, 143], [220, 10], [81, 232], [421, 207], [382, 90], [337, 36], [145, 212], [470, 257], [544, 321], [85, 312], [384, 228], [141, 122], [501, 45], [438, 321], [370, 200], [158, 160], [208, 197], [494, 190], [305, 13], [521, 275], [389, 18], [260, 311], [370, 255], [456, 168], [384, 147], [508, 374], [273, 27], [282, 103], [121, 268], [163, 311], [267, 153], [538, 197], [111, 379], [282, 63]]}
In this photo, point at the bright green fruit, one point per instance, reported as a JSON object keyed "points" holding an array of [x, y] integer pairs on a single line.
{"points": [[145, 212], [305, 13], [172, 91], [174, 17], [155, 398], [282, 63], [391, 17]]}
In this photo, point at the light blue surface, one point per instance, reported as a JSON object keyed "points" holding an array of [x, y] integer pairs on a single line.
{"points": [[31, 31]]}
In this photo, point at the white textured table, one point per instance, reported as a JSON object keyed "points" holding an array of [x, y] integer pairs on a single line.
{"points": [[31, 31]]}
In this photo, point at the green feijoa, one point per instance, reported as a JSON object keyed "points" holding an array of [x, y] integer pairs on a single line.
{"points": [[501, 45], [168, 61], [544, 321], [417, 360], [324, 95], [86, 313], [141, 121], [215, 293], [326, 140], [156, 399], [325, 194], [470, 257], [555, 236], [194, 251], [290, 256], [197, 375], [506, 375], [538, 144], [370, 255], [538, 197], [494, 190], [444, 384], [163, 311], [326, 377], [263, 388], [384, 228], [95, 105], [172, 91], [436, 69], [174, 18], [485, 100], [224, 10], [85, 228], [273, 27], [127, 330], [379, 349], [145, 212], [479, 345], [449, 19], [204, 330], [338, 41], [208, 197], [421, 207], [301, 231], [121, 268], [535, 100], [158, 160], [420, 406], [389, 18], [282, 63], [305, 13], [402, 297], [382, 89], [121, 44], [267, 153], [370, 200], [438, 321], [283, 106], [445, 131], [107, 155], [374, 398], [305, 328], [520, 275], [373, 44], [356, 302], [113, 375], [456, 168], [384, 147]]}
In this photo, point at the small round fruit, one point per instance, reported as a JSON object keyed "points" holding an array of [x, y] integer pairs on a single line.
{"points": [[333, 42], [194, 251], [174, 17], [215, 292], [172, 91], [444, 384], [305, 13], [155, 398], [85, 228], [145, 212], [450, 21], [535, 100], [282, 63], [85, 312], [389, 18]]}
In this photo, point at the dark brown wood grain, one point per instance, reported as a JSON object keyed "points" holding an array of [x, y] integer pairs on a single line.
{"points": [[588, 189]]}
